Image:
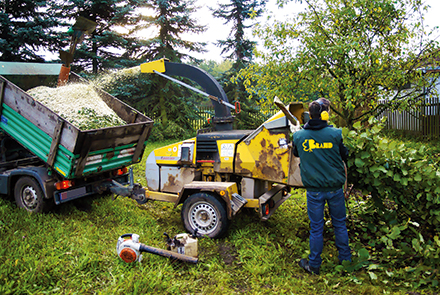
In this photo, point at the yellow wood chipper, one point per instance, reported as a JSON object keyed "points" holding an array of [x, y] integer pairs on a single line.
{"points": [[220, 171]]}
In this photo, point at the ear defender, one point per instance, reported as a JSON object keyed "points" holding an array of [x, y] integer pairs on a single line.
{"points": [[324, 114]]}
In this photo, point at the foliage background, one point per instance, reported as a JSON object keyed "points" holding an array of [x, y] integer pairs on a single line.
{"points": [[361, 55]]}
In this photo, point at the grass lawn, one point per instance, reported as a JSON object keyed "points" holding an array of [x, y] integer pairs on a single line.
{"points": [[72, 250]]}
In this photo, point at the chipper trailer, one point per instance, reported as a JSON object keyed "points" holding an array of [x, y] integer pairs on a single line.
{"points": [[221, 170], [44, 159]]}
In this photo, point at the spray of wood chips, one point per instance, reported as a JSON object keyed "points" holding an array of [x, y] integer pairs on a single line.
{"points": [[79, 104], [108, 79]]}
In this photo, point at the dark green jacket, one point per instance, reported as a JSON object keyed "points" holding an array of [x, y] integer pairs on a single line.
{"points": [[322, 152]]}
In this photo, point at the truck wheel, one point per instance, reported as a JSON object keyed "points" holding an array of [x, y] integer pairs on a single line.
{"points": [[205, 213], [29, 195]]}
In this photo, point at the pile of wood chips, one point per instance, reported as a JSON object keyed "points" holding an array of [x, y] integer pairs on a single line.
{"points": [[79, 104]]}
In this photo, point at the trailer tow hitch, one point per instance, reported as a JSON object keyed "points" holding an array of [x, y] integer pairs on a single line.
{"points": [[133, 190]]}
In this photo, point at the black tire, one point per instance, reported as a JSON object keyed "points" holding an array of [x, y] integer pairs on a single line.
{"points": [[204, 212], [29, 195]]}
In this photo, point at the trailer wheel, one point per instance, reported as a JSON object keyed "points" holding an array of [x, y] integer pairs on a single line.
{"points": [[29, 195], [205, 213]]}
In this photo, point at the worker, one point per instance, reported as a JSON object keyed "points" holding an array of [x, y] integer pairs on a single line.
{"points": [[322, 155]]}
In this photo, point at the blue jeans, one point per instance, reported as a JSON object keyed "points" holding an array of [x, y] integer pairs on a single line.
{"points": [[315, 209]]}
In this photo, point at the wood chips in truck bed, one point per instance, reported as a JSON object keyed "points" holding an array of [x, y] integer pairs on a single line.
{"points": [[79, 104]]}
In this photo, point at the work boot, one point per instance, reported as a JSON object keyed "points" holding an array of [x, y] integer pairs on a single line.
{"points": [[304, 263]]}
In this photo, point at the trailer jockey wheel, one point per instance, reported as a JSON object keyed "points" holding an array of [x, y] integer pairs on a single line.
{"points": [[204, 212], [29, 195]]}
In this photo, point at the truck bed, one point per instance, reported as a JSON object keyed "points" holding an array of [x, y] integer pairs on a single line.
{"points": [[70, 151]]}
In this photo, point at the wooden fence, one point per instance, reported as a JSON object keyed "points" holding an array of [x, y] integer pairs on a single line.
{"points": [[422, 121]]}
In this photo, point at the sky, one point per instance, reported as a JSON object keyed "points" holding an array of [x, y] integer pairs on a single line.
{"points": [[216, 30]]}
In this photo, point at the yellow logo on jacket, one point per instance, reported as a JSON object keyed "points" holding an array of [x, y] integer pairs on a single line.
{"points": [[310, 144]]}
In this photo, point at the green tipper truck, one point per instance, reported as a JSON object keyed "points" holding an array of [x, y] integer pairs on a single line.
{"points": [[44, 159]]}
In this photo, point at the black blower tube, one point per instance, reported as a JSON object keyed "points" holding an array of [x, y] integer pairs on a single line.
{"points": [[166, 253]]}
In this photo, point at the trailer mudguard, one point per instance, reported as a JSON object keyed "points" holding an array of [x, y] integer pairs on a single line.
{"points": [[224, 190]]}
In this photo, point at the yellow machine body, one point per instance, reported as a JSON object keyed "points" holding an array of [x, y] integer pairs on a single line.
{"points": [[256, 160], [217, 173]]}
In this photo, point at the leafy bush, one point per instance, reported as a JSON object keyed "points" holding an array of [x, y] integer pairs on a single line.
{"points": [[400, 186], [172, 130], [400, 179]]}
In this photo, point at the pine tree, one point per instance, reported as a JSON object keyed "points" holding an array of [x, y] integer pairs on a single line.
{"points": [[172, 19], [171, 105], [238, 12], [106, 46], [240, 50], [26, 30]]}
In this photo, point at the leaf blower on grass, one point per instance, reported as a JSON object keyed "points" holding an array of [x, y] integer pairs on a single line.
{"points": [[182, 247]]}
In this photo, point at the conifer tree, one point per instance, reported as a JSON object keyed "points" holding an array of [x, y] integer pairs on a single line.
{"points": [[171, 19], [238, 12], [240, 50], [105, 48], [171, 105], [26, 30]]}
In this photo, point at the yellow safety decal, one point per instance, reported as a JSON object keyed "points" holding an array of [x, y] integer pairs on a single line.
{"points": [[61, 171], [226, 150], [171, 154], [168, 154], [309, 145], [157, 65]]}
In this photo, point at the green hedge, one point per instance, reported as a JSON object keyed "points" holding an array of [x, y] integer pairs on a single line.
{"points": [[397, 190], [401, 178]]}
